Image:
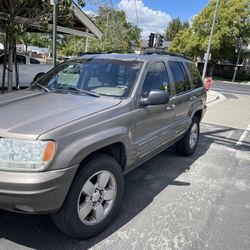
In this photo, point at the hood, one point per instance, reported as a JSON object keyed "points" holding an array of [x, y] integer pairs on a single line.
{"points": [[28, 114]]}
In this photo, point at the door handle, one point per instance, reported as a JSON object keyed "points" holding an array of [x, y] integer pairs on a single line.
{"points": [[192, 98], [170, 107]]}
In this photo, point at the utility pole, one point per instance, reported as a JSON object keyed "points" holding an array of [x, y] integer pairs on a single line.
{"points": [[86, 45], [238, 59], [55, 13], [210, 41]]}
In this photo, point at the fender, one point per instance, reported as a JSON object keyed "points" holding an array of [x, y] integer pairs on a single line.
{"points": [[87, 145], [198, 105]]}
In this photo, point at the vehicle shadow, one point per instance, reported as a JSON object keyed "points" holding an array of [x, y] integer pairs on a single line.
{"points": [[142, 185]]}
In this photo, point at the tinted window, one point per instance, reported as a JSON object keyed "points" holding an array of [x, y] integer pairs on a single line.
{"points": [[195, 75], [2, 59], [186, 78], [156, 78], [34, 61], [179, 78], [21, 59]]}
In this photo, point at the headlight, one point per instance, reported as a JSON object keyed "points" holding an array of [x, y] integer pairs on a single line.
{"points": [[25, 155]]}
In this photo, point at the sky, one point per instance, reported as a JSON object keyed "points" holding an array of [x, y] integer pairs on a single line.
{"points": [[154, 15]]}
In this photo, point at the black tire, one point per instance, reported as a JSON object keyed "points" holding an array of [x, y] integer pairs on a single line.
{"points": [[67, 218], [38, 76], [183, 146]]}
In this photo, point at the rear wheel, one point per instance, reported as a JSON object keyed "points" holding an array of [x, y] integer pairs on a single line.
{"points": [[187, 145], [93, 200]]}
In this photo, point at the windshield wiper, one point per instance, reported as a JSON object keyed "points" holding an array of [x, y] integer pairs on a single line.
{"points": [[42, 87], [90, 93]]}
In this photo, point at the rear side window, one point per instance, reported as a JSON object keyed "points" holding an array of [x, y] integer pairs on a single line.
{"points": [[186, 78], [21, 59], [34, 61], [2, 59], [197, 82], [180, 81]]}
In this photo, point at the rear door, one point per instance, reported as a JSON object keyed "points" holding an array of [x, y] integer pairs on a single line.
{"points": [[183, 92], [197, 84]]}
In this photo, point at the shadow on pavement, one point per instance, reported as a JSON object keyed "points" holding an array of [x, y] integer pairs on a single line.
{"points": [[142, 185]]}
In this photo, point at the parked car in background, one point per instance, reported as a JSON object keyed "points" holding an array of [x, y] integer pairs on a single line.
{"points": [[66, 142], [30, 69]]}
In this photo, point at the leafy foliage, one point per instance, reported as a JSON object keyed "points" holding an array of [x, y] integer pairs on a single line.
{"points": [[232, 23], [118, 33], [16, 16], [36, 39], [71, 46], [174, 27], [39, 11]]}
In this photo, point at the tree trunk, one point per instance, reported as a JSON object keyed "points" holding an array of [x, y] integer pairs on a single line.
{"points": [[5, 61], [16, 66], [10, 65]]}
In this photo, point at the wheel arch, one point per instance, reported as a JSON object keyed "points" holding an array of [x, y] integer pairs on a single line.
{"points": [[37, 76], [117, 150]]}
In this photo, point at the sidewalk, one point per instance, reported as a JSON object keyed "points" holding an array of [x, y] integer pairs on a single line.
{"points": [[214, 97]]}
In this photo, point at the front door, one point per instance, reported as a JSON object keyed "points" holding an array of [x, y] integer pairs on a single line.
{"points": [[153, 123]]}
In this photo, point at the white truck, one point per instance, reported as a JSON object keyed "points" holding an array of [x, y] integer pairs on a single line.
{"points": [[30, 69]]}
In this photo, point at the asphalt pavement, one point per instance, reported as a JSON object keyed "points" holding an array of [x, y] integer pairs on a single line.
{"points": [[171, 202], [233, 88]]}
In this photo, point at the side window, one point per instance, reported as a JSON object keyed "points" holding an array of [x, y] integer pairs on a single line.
{"points": [[179, 78], [21, 59], [195, 75], [186, 78], [69, 76], [2, 59], [34, 61], [156, 78]]}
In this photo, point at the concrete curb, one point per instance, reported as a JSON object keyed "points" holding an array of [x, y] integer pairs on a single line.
{"points": [[214, 97]]}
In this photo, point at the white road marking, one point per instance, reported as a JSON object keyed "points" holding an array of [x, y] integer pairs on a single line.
{"points": [[232, 91], [243, 136]]}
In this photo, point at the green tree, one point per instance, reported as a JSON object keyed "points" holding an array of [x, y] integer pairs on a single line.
{"points": [[41, 40], [174, 27], [232, 23], [118, 33], [71, 46], [11, 14]]}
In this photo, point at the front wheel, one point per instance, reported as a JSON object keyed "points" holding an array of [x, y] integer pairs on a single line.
{"points": [[93, 200], [187, 145], [38, 76]]}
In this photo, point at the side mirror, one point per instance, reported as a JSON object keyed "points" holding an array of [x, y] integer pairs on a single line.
{"points": [[155, 97]]}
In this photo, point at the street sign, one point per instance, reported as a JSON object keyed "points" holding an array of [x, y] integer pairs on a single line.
{"points": [[209, 57], [52, 2]]}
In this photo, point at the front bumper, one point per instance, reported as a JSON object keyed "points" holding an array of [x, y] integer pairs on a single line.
{"points": [[41, 192]]}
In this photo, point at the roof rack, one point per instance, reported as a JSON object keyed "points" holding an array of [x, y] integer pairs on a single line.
{"points": [[103, 52], [165, 53]]}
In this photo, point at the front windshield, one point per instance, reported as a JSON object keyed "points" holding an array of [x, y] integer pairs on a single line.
{"points": [[101, 76]]}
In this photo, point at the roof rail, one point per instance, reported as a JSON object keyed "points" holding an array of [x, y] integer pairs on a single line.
{"points": [[166, 53], [103, 52]]}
